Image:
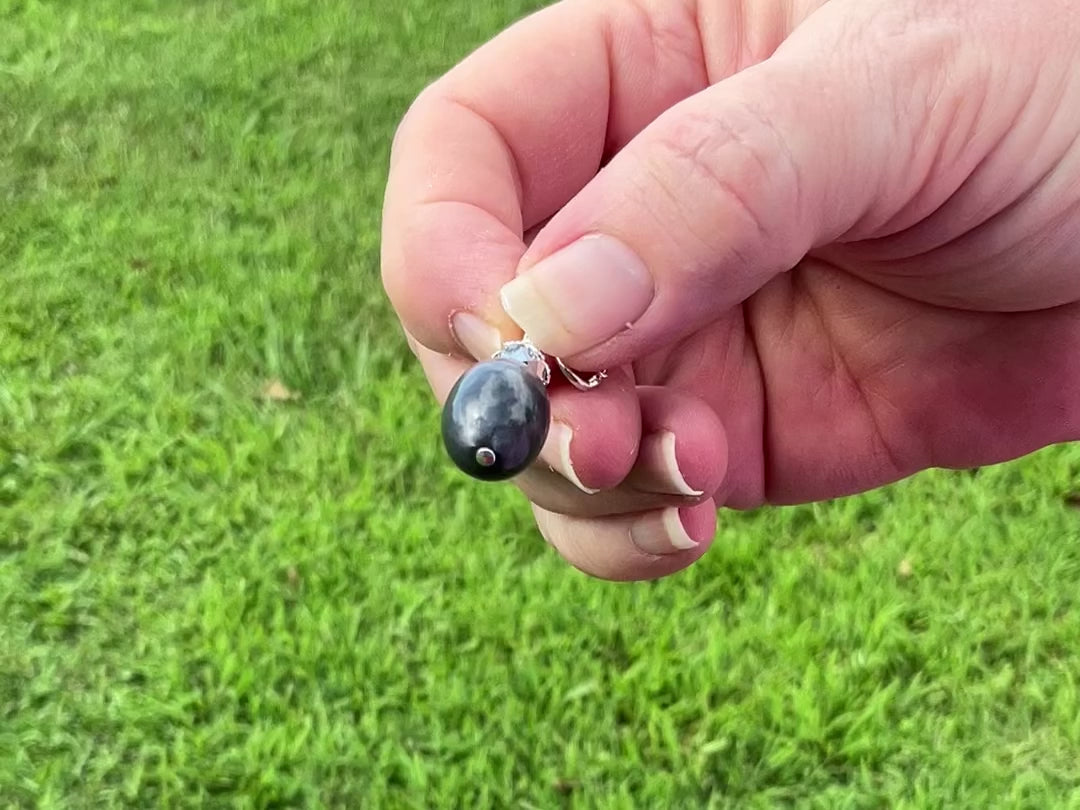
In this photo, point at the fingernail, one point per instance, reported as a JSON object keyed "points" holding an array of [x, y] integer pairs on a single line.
{"points": [[413, 344], [661, 532], [657, 469], [556, 454], [478, 338], [580, 296]]}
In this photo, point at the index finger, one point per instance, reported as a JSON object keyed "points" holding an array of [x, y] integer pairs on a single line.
{"points": [[500, 143]]}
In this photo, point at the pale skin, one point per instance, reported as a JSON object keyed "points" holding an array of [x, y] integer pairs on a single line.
{"points": [[827, 245]]}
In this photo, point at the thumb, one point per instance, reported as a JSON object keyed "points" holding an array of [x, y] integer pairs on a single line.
{"points": [[828, 138]]}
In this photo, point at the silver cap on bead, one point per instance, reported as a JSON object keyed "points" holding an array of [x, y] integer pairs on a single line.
{"points": [[522, 351]]}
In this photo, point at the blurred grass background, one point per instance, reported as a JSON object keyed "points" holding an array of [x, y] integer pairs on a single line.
{"points": [[214, 598]]}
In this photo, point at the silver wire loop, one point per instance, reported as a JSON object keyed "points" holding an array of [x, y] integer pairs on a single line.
{"points": [[523, 351], [576, 380]]}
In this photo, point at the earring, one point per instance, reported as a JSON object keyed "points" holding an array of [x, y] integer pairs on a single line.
{"points": [[497, 416]]}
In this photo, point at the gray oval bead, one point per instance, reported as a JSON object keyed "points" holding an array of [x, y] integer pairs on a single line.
{"points": [[496, 420]]}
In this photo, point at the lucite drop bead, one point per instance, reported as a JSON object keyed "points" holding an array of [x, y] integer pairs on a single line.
{"points": [[496, 420]]}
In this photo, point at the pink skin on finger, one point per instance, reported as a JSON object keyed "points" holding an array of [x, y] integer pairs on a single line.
{"points": [[557, 455], [515, 131], [478, 338], [594, 434], [684, 449], [682, 459], [612, 548], [658, 463], [661, 532]]}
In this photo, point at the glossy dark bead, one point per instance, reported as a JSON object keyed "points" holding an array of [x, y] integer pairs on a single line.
{"points": [[495, 420]]}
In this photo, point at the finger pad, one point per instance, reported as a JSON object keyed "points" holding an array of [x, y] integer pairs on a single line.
{"points": [[606, 426], [701, 446]]}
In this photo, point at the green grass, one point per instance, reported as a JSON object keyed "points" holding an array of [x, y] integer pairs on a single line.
{"points": [[211, 600]]}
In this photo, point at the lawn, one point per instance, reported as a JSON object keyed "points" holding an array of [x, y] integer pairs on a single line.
{"points": [[236, 570]]}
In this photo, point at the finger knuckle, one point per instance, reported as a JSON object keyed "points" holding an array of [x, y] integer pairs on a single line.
{"points": [[732, 161]]}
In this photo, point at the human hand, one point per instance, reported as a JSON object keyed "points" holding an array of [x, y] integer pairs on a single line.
{"points": [[819, 246]]}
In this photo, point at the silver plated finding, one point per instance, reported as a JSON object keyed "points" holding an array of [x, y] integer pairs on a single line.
{"points": [[523, 351], [577, 381]]}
